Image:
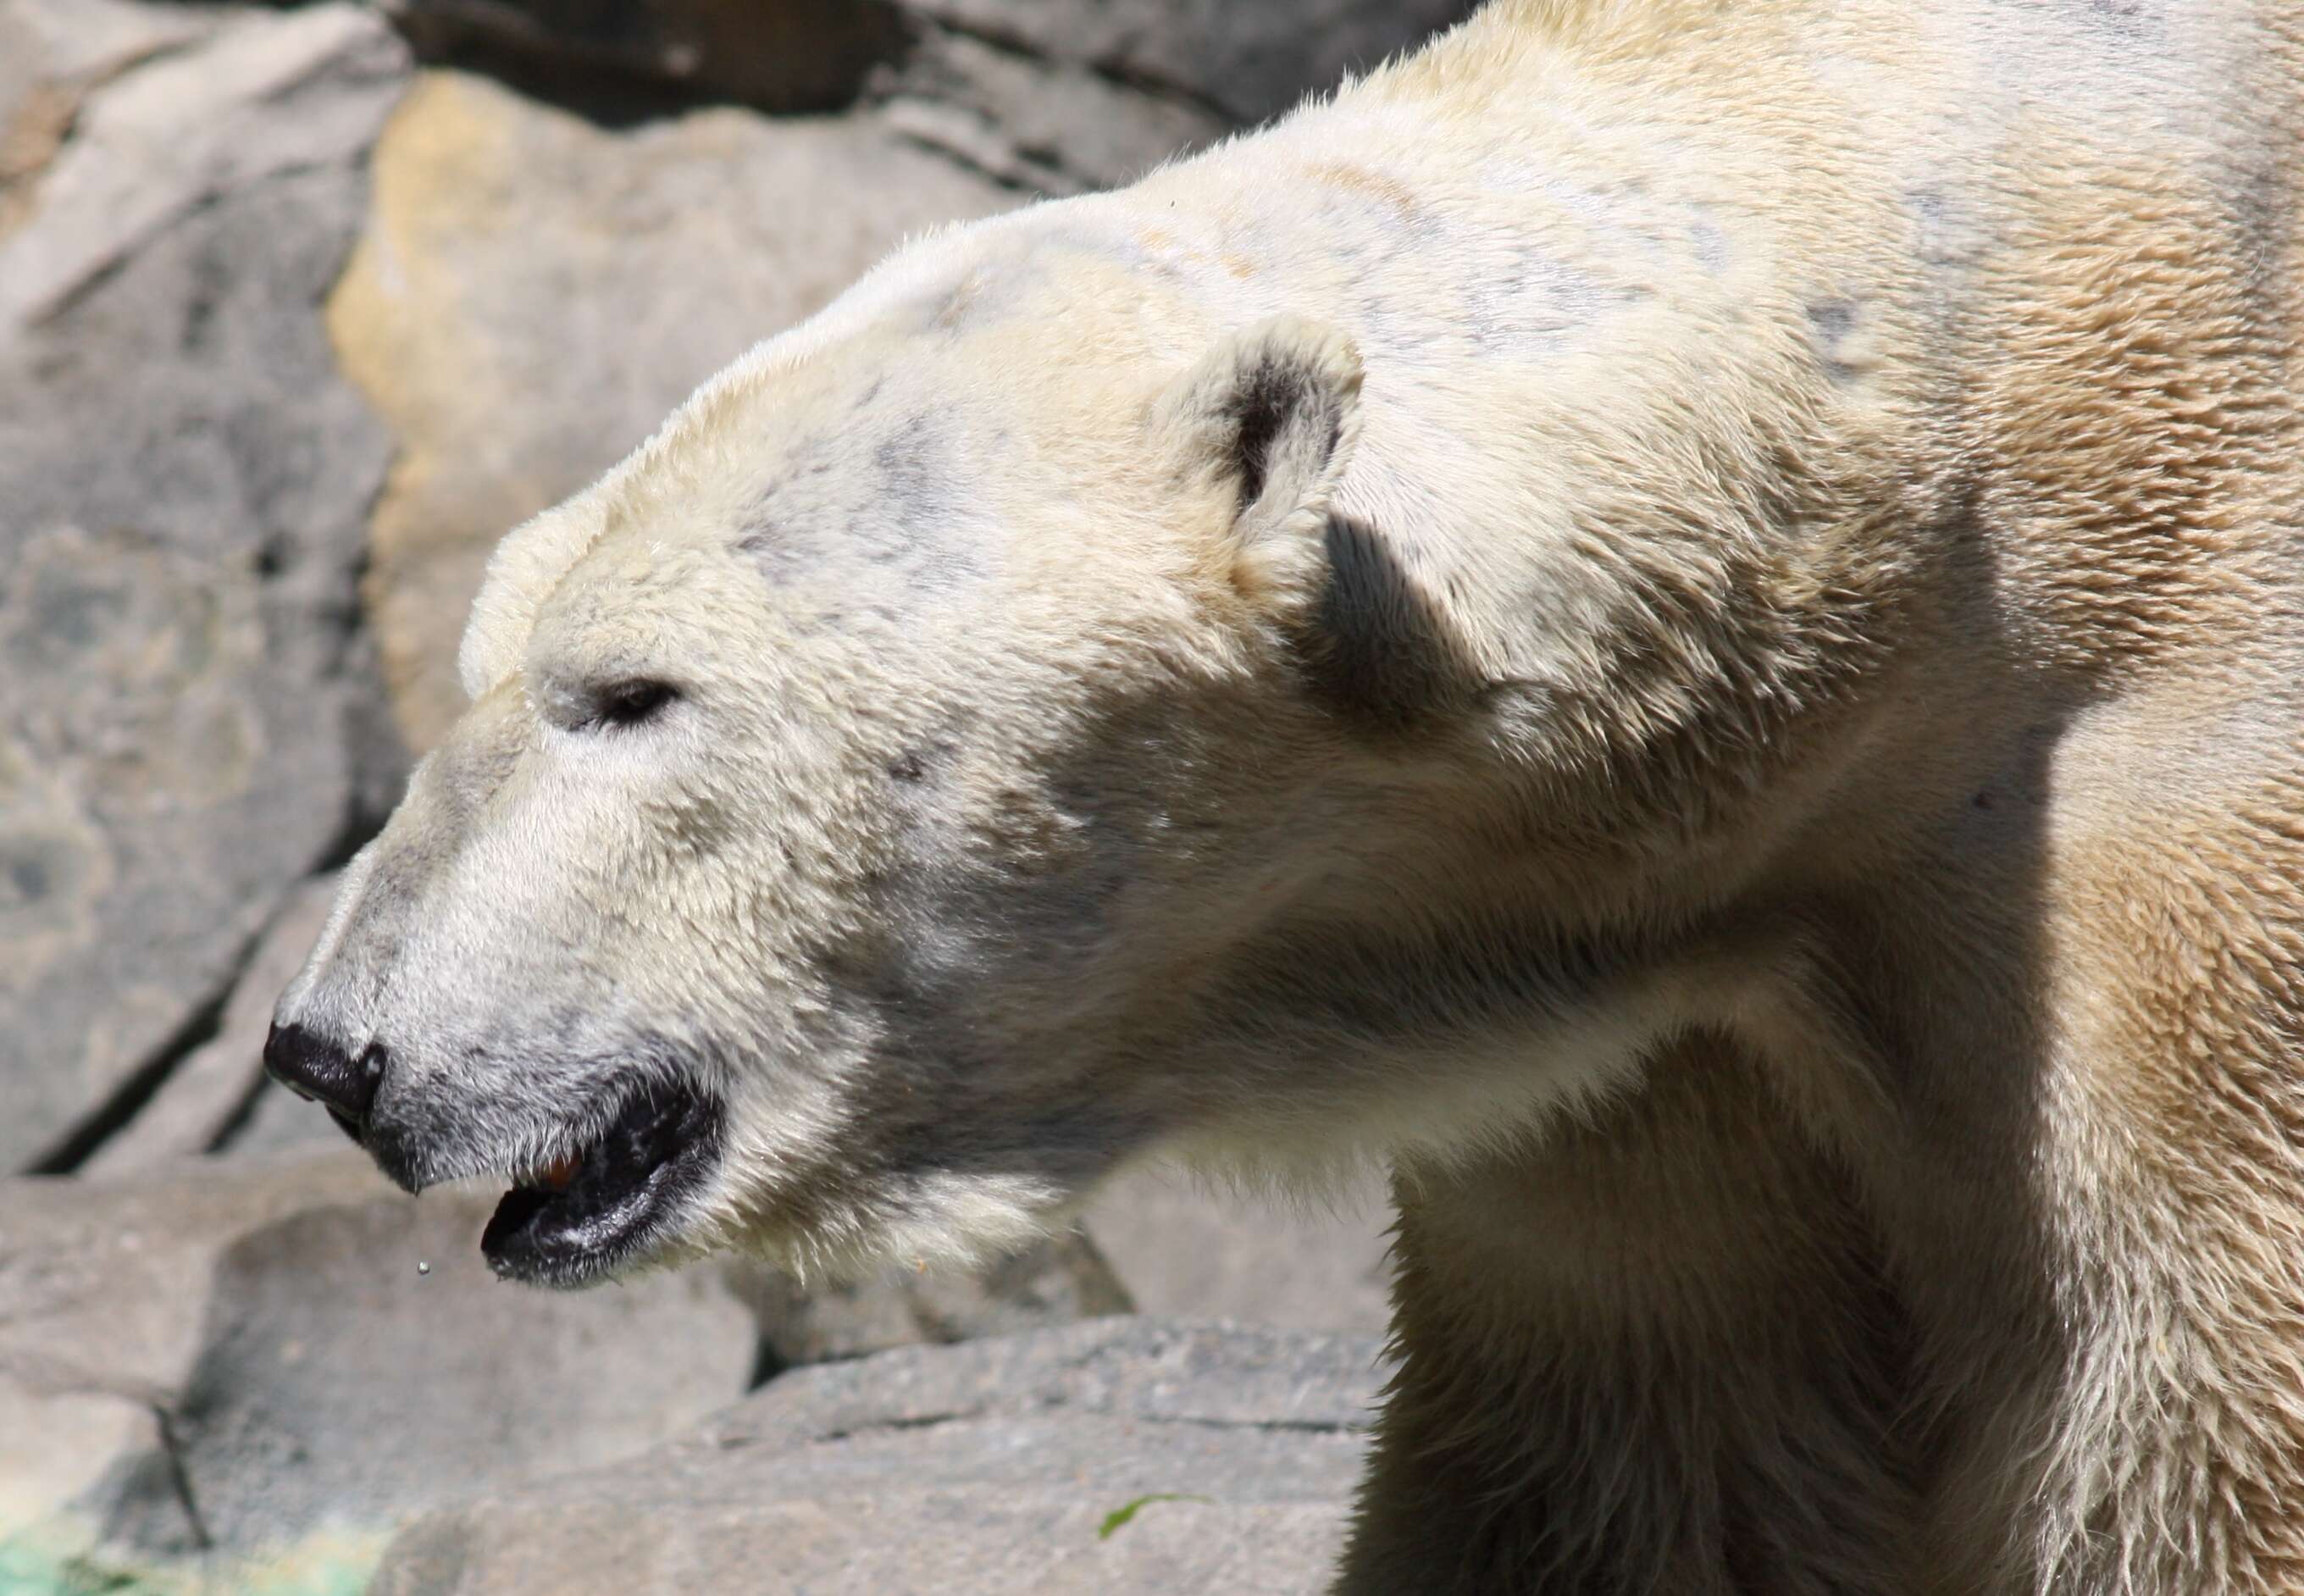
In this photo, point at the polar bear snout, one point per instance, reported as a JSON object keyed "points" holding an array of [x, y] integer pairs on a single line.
{"points": [[319, 1070]]}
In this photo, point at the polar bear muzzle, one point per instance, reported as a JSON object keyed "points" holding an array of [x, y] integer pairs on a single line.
{"points": [[594, 1210], [573, 1215]]}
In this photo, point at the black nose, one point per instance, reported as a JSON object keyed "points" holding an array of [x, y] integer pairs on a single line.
{"points": [[312, 1067]]}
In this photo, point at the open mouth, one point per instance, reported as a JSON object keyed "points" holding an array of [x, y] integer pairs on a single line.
{"points": [[598, 1209]]}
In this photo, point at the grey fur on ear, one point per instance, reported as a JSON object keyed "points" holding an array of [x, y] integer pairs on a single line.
{"points": [[1271, 412]]}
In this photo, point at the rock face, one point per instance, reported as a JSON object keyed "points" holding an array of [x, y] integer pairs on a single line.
{"points": [[1004, 1468], [186, 728], [237, 1356], [1183, 1250], [54, 54], [234, 1358], [214, 1096], [1245, 63], [1055, 1283]]}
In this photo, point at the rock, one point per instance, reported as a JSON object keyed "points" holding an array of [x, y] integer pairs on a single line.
{"points": [[209, 1096], [1051, 1284], [1242, 62], [534, 294], [793, 55], [239, 1356], [1004, 1466], [282, 1355], [264, 96], [53, 53], [1181, 1251], [1051, 126], [188, 727]]}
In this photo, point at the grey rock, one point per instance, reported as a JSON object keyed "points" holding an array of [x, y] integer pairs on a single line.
{"points": [[1000, 1466], [1242, 62], [238, 1356], [1181, 1250], [1055, 1283], [209, 1096], [1046, 125], [53, 55], [267, 95], [88, 41], [186, 729]]}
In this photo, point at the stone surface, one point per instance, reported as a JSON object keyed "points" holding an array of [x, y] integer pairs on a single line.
{"points": [[1183, 1251], [534, 294], [1246, 61], [996, 1467], [264, 96], [242, 1355], [1053, 1284], [53, 55], [1040, 123], [207, 1099], [188, 725]]}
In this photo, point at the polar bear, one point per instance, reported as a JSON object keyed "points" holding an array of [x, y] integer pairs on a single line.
{"points": [[1680, 621]]}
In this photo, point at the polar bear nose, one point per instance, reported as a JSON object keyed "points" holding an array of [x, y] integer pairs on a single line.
{"points": [[314, 1067]]}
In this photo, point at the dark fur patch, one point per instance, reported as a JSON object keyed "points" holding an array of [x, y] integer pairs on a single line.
{"points": [[1268, 396], [1378, 648]]}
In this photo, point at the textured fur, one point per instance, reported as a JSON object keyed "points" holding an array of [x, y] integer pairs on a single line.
{"points": [[1680, 620]]}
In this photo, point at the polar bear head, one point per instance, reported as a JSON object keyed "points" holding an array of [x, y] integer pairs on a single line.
{"points": [[971, 746]]}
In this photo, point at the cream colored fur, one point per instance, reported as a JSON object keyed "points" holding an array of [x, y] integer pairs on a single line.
{"points": [[1680, 619]]}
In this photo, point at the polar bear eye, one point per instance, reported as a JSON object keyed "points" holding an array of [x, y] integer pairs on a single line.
{"points": [[630, 702]]}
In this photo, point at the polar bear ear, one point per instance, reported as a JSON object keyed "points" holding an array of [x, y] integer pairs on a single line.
{"points": [[1270, 415]]}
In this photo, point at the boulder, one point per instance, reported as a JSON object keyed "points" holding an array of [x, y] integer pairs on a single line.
{"points": [[235, 1358], [1040, 123], [1055, 1283], [53, 55], [190, 723], [1126, 1455], [240, 1360], [1243, 63], [211, 1098]]}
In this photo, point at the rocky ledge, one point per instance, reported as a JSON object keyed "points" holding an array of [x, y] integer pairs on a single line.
{"points": [[1118, 1456]]}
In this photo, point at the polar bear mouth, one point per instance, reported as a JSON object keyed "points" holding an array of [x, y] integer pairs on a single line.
{"points": [[602, 1207]]}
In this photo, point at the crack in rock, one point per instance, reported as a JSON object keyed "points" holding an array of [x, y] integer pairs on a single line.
{"points": [[113, 1114]]}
